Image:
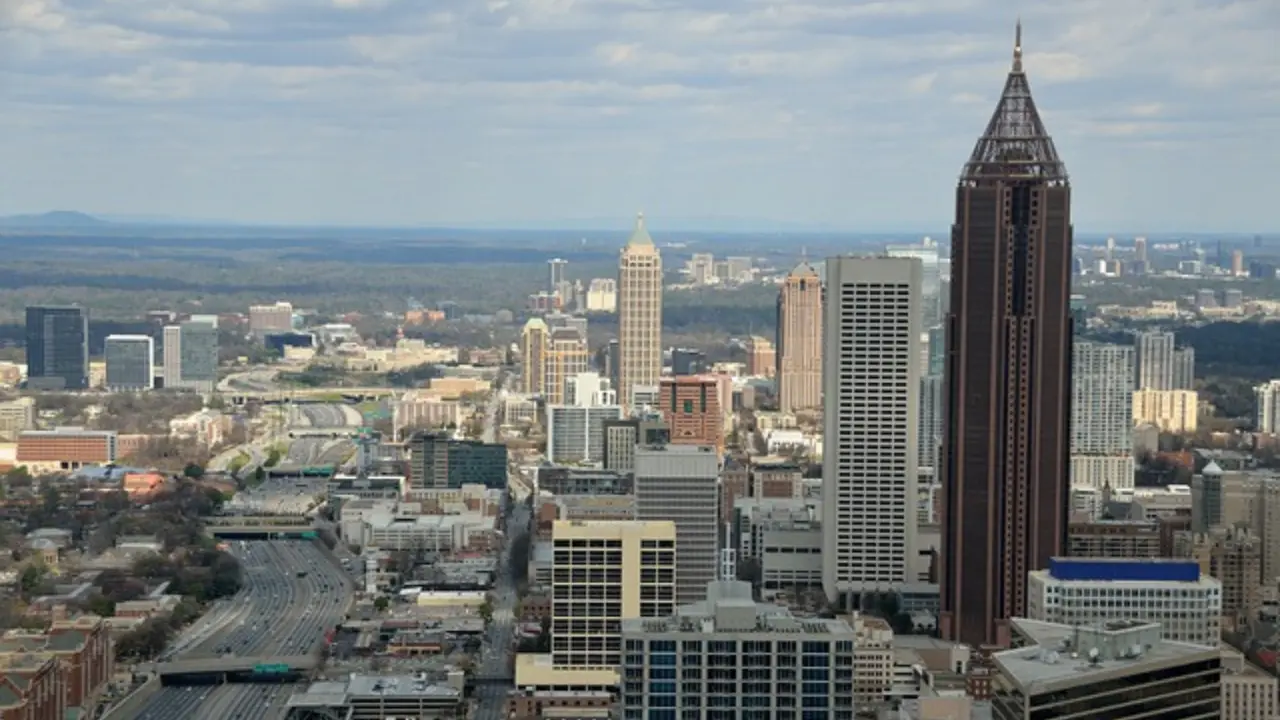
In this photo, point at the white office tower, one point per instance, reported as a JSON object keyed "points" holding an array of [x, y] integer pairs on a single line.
{"points": [[1102, 415], [1267, 412], [1086, 591], [680, 483], [129, 359], [871, 383]]}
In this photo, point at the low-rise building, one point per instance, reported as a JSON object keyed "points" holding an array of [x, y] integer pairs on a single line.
{"points": [[1087, 591], [65, 448], [1120, 670], [376, 697]]}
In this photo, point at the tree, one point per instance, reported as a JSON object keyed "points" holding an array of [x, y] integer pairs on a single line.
{"points": [[259, 475], [486, 611], [32, 576], [382, 603], [193, 471]]}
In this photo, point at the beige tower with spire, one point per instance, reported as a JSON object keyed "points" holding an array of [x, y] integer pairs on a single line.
{"points": [[639, 314], [799, 345]]}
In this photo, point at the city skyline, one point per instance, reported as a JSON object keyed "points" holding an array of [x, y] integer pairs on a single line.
{"points": [[385, 113]]}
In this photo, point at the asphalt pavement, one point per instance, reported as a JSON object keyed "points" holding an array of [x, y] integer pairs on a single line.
{"points": [[276, 613]]}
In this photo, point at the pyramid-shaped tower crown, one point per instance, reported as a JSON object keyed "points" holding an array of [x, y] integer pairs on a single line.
{"points": [[1015, 144], [640, 236]]}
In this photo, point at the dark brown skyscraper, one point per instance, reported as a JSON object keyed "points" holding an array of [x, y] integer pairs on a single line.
{"points": [[1008, 370]]}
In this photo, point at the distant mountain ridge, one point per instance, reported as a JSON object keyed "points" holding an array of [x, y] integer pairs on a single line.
{"points": [[53, 219]]}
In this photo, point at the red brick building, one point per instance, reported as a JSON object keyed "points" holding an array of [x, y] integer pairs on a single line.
{"points": [[80, 657], [691, 406], [65, 448]]}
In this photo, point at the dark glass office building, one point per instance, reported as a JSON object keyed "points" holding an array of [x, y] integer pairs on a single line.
{"points": [[438, 460], [57, 348], [1008, 406]]}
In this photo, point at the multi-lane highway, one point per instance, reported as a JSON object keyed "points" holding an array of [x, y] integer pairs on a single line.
{"points": [[292, 595]]}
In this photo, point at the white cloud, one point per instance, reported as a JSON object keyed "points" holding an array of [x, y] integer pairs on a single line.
{"points": [[708, 91]]}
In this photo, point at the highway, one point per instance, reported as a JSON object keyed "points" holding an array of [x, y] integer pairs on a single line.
{"points": [[275, 613]]}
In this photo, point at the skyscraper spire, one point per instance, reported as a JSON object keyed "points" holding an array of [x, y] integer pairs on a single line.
{"points": [[1017, 48], [1016, 143]]}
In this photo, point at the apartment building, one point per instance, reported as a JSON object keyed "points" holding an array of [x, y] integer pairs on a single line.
{"points": [[728, 656]]}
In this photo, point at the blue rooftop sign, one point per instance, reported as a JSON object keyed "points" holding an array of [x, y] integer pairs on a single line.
{"points": [[1124, 570]]}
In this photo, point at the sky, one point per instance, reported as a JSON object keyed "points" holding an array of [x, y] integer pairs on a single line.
{"points": [[846, 114]]}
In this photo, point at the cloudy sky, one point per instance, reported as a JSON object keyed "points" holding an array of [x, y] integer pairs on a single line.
{"points": [[854, 114]]}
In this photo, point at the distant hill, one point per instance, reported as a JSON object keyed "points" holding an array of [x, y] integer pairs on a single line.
{"points": [[54, 219]]}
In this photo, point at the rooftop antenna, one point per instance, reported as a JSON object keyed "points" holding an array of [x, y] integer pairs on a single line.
{"points": [[1017, 47]]}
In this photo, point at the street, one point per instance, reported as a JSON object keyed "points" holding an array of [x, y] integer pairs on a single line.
{"points": [[499, 654]]}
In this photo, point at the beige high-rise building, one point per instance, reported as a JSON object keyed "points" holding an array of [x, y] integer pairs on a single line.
{"points": [[533, 350], [567, 357], [799, 346], [1173, 411], [639, 314], [604, 572]]}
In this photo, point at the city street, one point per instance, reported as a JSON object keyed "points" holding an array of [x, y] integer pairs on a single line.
{"points": [[499, 654]]}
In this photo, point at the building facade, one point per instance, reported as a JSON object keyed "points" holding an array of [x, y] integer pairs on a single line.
{"points": [[604, 573], [533, 355], [268, 319], [576, 434], [567, 356], [1102, 387], [1008, 423], [639, 314], [57, 344], [691, 406], [1078, 591], [799, 345], [680, 484], [437, 460], [726, 656], [129, 362], [871, 385]]}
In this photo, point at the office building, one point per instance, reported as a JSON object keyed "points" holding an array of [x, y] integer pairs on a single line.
{"points": [[567, 356], [680, 483], [871, 385], [57, 348], [1096, 538], [621, 437], [65, 448], [1234, 556], [129, 362], [1118, 670], [930, 278], [437, 460], [1086, 591], [190, 352], [556, 275], [762, 358], [799, 345], [929, 423], [604, 573], [727, 656], [533, 355], [691, 406], [1102, 388], [15, 416], [639, 314], [686, 361], [268, 319], [575, 433], [1009, 370]]}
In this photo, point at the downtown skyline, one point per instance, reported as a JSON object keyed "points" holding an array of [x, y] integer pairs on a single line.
{"points": [[379, 113]]}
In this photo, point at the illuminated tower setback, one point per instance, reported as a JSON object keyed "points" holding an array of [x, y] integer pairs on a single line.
{"points": [[1008, 406]]}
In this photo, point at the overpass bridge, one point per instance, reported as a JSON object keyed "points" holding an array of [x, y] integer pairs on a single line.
{"points": [[216, 671], [309, 395], [237, 527]]}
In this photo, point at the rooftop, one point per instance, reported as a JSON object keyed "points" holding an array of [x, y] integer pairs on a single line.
{"points": [[1065, 655], [729, 607], [1124, 570]]}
